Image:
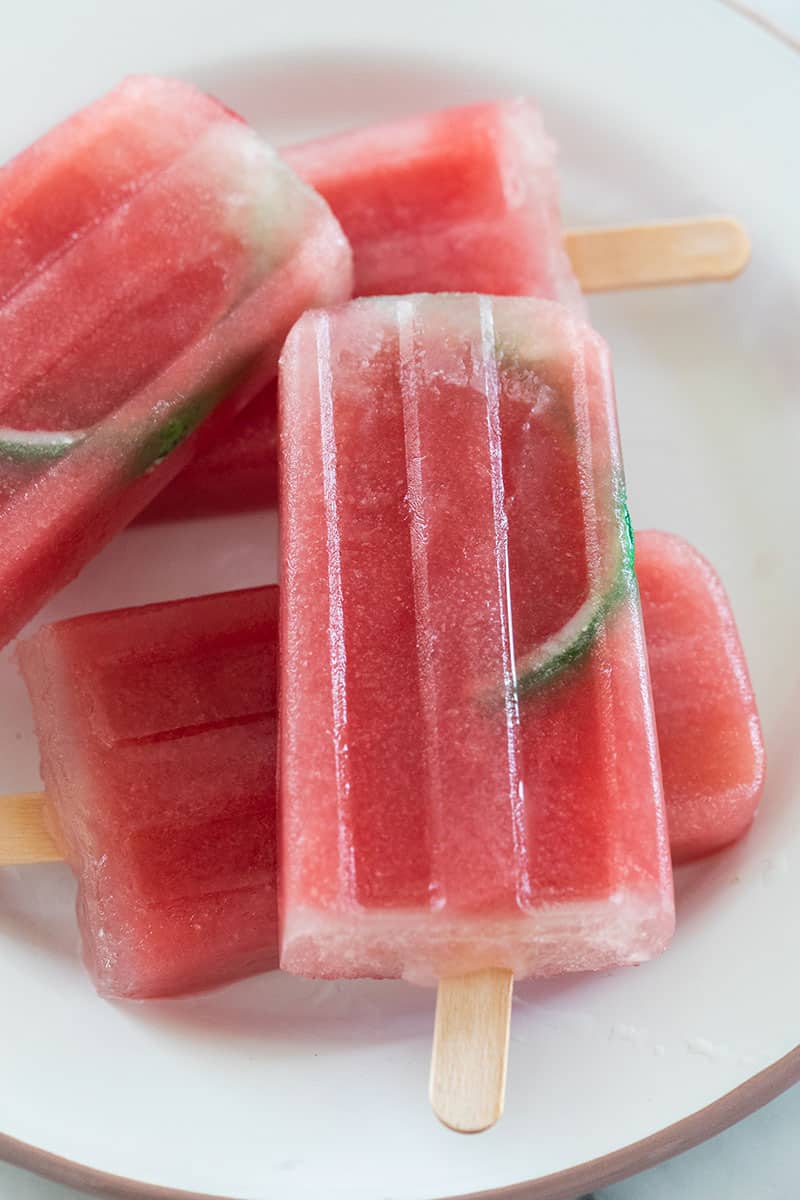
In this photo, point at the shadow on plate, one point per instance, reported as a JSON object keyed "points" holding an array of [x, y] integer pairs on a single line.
{"points": [[280, 1007]]}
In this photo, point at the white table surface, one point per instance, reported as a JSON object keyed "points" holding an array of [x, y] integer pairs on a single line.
{"points": [[756, 1160]]}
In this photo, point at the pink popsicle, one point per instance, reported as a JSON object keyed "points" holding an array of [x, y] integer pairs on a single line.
{"points": [[460, 200], [159, 251], [712, 749], [157, 734], [469, 773]]}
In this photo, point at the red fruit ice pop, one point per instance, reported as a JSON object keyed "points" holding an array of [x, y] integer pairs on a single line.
{"points": [[712, 749], [185, 666], [156, 254], [460, 200]]}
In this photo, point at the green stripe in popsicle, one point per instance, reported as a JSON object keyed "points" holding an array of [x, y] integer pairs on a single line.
{"points": [[161, 441], [41, 447], [564, 649], [36, 446]]}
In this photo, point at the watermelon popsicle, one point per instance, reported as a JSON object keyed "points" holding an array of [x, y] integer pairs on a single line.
{"points": [[210, 652], [461, 200], [487, 792], [166, 251], [157, 737], [712, 749], [465, 199]]}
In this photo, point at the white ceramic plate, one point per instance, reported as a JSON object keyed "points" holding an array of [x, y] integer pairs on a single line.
{"points": [[279, 1087]]}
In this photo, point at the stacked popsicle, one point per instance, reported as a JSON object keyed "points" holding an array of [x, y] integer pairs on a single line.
{"points": [[489, 793], [176, 886], [177, 883], [460, 200], [470, 777], [192, 249]]}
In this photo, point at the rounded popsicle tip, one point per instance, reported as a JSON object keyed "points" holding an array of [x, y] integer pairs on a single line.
{"points": [[733, 245], [658, 253]]}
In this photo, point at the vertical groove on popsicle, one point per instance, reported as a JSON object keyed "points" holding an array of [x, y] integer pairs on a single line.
{"points": [[516, 795], [637, 634], [338, 653], [423, 620], [595, 558]]}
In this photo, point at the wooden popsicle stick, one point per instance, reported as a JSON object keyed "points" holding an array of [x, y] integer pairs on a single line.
{"points": [[470, 1049], [473, 1012], [24, 836], [631, 256]]}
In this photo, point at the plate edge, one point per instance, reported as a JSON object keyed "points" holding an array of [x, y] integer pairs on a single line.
{"points": [[610, 1168]]}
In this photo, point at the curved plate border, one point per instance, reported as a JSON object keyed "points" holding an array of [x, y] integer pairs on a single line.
{"points": [[564, 1185]]}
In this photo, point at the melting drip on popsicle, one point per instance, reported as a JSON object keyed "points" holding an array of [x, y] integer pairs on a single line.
{"points": [[709, 734], [157, 735]]}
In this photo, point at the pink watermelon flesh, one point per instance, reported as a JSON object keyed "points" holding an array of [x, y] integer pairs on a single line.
{"points": [[460, 200], [165, 307], [712, 750], [184, 693], [157, 734], [239, 471], [464, 200], [78, 173], [451, 498]]}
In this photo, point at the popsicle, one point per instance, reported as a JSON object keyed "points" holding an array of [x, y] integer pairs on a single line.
{"points": [[156, 254], [469, 772], [465, 199], [460, 200], [157, 736], [137, 656], [712, 749]]}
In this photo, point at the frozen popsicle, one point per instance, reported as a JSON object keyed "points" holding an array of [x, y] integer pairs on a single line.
{"points": [[156, 252], [469, 771], [712, 750], [460, 200], [465, 199], [699, 712], [157, 737]]}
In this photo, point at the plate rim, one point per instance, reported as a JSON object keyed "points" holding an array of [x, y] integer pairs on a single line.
{"points": [[742, 1101]]}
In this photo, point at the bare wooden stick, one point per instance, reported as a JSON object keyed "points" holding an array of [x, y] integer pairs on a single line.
{"points": [[632, 256], [24, 836], [470, 1049]]}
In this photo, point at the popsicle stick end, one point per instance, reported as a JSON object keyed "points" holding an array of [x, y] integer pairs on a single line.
{"points": [[470, 1049]]}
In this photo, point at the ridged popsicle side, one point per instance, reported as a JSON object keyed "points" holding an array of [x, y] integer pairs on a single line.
{"points": [[157, 731], [453, 504], [165, 316]]}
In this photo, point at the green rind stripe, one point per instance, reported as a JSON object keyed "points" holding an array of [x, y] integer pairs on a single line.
{"points": [[161, 441], [39, 448], [532, 674], [21, 446], [530, 679]]}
